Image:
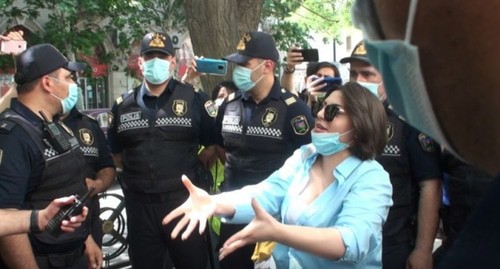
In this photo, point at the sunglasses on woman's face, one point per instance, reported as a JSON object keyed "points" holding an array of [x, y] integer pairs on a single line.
{"points": [[331, 111]]}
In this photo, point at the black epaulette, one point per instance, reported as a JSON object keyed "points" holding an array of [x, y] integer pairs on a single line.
{"points": [[124, 96], [6, 126]]}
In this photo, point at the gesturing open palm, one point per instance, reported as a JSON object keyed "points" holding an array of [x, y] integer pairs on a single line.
{"points": [[262, 228], [196, 209]]}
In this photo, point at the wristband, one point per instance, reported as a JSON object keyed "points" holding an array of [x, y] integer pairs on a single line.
{"points": [[289, 70], [34, 228]]}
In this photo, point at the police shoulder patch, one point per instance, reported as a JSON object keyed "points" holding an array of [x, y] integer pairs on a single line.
{"points": [[300, 125], [426, 142], [211, 108]]}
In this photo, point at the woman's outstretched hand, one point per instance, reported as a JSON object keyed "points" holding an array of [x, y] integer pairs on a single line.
{"points": [[195, 210], [262, 228]]}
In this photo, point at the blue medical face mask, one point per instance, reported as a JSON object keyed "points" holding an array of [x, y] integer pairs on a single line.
{"points": [[157, 71], [372, 87], [70, 101], [398, 62], [242, 77], [328, 143]]}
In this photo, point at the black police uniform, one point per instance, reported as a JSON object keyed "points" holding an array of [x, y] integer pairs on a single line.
{"points": [[258, 138], [97, 156], [158, 139], [33, 173], [409, 157]]}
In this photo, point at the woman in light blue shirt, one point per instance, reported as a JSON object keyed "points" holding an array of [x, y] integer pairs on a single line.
{"points": [[331, 197]]}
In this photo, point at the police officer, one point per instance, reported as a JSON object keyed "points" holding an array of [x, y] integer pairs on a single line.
{"points": [[154, 137], [412, 160], [260, 126], [100, 169], [40, 159]]}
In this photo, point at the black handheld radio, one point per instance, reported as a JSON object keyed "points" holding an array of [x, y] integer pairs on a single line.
{"points": [[54, 135], [66, 212]]}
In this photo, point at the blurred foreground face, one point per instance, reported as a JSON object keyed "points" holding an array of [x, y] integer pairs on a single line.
{"points": [[459, 55]]}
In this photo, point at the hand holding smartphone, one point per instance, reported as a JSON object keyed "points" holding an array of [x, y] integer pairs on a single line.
{"points": [[309, 55], [330, 81], [211, 66], [12, 46]]}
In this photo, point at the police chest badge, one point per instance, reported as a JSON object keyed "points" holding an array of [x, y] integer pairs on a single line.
{"points": [[179, 107], [269, 116], [300, 125], [211, 108], [426, 142], [389, 131], [86, 136]]}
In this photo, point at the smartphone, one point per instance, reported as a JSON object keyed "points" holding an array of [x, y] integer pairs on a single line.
{"points": [[309, 55], [211, 66], [13, 46], [330, 81]]}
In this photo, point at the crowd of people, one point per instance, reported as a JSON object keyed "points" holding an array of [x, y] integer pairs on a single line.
{"points": [[359, 174]]}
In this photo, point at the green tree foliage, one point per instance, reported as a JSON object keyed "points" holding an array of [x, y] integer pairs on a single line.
{"points": [[292, 21], [81, 27]]}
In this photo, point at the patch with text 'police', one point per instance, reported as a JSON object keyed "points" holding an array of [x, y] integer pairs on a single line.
{"points": [[426, 142], [211, 108], [231, 120], [130, 117], [86, 136], [179, 107], [270, 116], [300, 125], [389, 131]]}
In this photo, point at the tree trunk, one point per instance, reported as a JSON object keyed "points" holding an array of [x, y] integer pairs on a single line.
{"points": [[249, 12], [214, 27]]}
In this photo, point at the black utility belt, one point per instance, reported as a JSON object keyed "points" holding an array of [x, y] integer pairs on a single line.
{"points": [[42, 249], [156, 198]]}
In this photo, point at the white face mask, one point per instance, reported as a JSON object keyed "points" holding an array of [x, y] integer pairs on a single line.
{"points": [[372, 87], [242, 77], [69, 101], [398, 62]]}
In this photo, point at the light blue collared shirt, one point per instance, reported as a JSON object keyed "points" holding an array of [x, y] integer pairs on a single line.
{"points": [[356, 204]]}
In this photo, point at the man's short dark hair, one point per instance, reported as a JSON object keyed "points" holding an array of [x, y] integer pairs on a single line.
{"points": [[314, 67]]}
